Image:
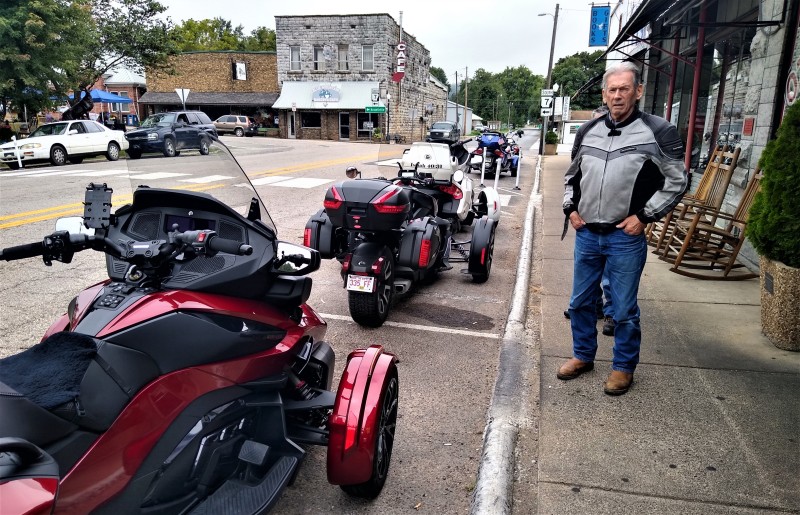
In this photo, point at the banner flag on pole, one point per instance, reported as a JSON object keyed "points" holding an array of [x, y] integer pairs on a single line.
{"points": [[598, 26]]}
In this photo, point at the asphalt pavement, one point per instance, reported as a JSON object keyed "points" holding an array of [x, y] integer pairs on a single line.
{"points": [[711, 424]]}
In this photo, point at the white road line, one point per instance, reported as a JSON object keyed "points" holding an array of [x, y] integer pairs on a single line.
{"points": [[100, 173], [302, 182], [504, 200], [417, 327], [206, 179], [268, 180], [158, 175], [37, 173], [388, 162]]}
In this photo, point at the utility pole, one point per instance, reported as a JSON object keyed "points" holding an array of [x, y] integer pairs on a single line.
{"points": [[466, 92], [545, 119]]}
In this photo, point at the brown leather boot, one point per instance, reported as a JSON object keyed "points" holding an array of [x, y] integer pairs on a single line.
{"points": [[573, 368], [618, 382]]}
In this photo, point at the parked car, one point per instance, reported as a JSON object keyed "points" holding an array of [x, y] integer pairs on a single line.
{"points": [[447, 132], [64, 141], [235, 124], [172, 132]]}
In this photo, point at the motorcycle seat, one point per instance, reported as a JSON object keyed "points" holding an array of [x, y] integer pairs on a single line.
{"points": [[22, 418]]}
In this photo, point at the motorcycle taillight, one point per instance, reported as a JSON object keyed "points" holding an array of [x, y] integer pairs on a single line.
{"points": [[450, 189], [498, 153], [337, 201], [424, 253], [478, 151], [389, 209], [307, 237], [346, 263]]}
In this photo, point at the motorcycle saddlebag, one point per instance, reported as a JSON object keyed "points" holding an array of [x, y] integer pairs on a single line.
{"points": [[367, 205], [319, 234], [419, 245]]}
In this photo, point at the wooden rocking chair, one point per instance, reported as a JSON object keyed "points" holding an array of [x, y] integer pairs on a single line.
{"points": [[700, 249], [710, 193]]}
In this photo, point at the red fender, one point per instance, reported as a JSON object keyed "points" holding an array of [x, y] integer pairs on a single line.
{"points": [[352, 424], [29, 496]]}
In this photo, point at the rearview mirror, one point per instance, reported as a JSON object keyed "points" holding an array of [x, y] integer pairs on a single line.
{"points": [[294, 259], [352, 172], [72, 131], [73, 225]]}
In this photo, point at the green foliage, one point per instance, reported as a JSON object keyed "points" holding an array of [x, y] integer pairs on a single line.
{"points": [[774, 224], [511, 95], [42, 43], [572, 72], [551, 138], [440, 75], [219, 34]]}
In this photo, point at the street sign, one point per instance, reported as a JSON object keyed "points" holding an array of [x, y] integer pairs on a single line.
{"points": [[294, 106], [548, 92], [375, 109], [547, 101], [547, 111], [182, 94]]}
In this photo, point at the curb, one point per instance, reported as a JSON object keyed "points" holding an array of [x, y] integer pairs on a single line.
{"points": [[496, 471]]}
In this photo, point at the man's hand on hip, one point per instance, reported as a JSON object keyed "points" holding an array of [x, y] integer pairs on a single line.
{"points": [[576, 221], [631, 225]]}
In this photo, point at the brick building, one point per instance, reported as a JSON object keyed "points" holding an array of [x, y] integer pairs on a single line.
{"points": [[219, 83], [336, 79]]}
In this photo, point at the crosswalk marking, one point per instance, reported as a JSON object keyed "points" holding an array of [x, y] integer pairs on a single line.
{"points": [[101, 173], [268, 180], [158, 175], [302, 182], [206, 179]]}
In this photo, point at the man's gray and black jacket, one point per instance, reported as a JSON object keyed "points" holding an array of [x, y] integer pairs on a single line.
{"points": [[633, 167]]}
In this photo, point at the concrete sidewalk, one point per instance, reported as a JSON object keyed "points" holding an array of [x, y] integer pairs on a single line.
{"points": [[712, 422]]}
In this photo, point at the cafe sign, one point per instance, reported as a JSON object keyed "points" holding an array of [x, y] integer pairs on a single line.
{"points": [[400, 72], [326, 93]]}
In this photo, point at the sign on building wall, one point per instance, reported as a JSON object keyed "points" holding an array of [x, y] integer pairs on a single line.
{"points": [[326, 93], [398, 75], [793, 78], [598, 25]]}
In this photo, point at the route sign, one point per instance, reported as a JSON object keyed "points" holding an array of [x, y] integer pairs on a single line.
{"points": [[547, 111], [547, 101], [548, 92], [375, 109]]}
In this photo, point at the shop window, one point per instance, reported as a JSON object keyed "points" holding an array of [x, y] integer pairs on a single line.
{"points": [[294, 58], [319, 58], [310, 120], [344, 65], [367, 57], [367, 123]]}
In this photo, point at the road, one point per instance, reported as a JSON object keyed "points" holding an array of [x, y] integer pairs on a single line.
{"points": [[446, 335]]}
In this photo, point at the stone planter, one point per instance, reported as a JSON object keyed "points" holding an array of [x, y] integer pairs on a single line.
{"points": [[780, 304], [550, 149]]}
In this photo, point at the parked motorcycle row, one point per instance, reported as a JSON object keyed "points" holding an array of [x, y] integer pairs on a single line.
{"points": [[195, 377]]}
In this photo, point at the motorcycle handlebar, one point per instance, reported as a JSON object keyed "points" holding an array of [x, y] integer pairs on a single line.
{"points": [[218, 244], [28, 250]]}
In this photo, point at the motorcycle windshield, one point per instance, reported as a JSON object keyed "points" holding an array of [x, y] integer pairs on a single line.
{"points": [[217, 174]]}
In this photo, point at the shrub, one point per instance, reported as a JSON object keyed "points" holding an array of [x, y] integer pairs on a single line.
{"points": [[551, 138], [774, 223]]}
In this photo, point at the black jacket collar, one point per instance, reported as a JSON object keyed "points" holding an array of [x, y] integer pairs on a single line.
{"points": [[614, 128]]}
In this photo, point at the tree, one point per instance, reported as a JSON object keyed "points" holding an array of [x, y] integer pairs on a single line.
{"points": [[440, 75], [260, 39], [215, 34], [123, 33], [573, 71], [42, 43]]}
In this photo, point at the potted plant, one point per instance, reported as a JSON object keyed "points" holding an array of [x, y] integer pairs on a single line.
{"points": [[550, 143], [774, 230], [377, 134]]}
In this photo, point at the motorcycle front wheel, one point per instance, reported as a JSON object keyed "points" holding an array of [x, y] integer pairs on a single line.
{"points": [[372, 309]]}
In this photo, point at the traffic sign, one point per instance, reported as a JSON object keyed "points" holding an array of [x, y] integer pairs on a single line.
{"points": [[547, 101], [548, 92], [547, 111], [375, 109]]}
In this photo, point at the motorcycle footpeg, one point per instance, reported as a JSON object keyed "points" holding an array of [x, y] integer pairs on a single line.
{"points": [[254, 452]]}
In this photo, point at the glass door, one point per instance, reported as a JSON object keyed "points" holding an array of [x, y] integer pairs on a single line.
{"points": [[344, 126]]}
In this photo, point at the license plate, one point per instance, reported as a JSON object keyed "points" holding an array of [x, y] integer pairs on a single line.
{"points": [[360, 283]]}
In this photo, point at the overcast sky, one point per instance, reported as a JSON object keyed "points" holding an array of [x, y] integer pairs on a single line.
{"points": [[489, 34]]}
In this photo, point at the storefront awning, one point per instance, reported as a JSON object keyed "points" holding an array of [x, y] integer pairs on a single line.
{"points": [[197, 98], [647, 12], [329, 95]]}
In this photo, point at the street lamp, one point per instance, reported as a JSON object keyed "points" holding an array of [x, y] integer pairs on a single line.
{"points": [[509, 115], [549, 74], [388, 113]]}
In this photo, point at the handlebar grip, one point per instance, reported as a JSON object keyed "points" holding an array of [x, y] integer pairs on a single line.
{"points": [[28, 250], [218, 244]]}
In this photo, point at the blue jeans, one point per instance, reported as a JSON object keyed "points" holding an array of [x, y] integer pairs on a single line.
{"points": [[622, 258]]}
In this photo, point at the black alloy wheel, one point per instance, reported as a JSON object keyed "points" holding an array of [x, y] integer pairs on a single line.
{"points": [[372, 309]]}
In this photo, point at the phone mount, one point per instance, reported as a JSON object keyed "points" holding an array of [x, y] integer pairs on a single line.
{"points": [[97, 206]]}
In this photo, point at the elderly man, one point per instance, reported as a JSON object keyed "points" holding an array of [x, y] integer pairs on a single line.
{"points": [[627, 170]]}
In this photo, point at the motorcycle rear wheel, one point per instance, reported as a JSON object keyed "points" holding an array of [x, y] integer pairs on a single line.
{"points": [[372, 309]]}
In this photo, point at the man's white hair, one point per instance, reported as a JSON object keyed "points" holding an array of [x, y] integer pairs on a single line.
{"points": [[624, 66]]}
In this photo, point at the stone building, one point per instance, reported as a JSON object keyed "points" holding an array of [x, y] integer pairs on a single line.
{"points": [[354, 77], [219, 83]]}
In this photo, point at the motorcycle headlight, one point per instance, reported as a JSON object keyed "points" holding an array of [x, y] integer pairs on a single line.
{"points": [[152, 136], [30, 146]]}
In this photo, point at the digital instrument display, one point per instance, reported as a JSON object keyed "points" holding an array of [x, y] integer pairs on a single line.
{"points": [[188, 223]]}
